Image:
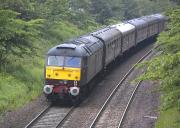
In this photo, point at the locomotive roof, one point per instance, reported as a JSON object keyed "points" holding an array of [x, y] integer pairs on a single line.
{"points": [[124, 28], [106, 34], [91, 43], [138, 23], [82, 46]]}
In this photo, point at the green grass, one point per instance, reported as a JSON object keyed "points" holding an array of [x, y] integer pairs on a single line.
{"points": [[20, 84], [21, 79], [169, 119]]}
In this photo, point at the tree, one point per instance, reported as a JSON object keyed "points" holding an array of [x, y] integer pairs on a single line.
{"points": [[101, 10], [16, 35], [146, 7], [24, 7]]}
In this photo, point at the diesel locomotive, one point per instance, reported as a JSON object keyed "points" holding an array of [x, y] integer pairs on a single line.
{"points": [[72, 65]]}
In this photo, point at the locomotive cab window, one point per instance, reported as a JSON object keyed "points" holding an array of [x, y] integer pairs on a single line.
{"points": [[55, 60], [64, 61], [72, 62]]}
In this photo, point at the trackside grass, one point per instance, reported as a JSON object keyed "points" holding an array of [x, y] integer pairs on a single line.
{"points": [[19, 85], [169, 119]]}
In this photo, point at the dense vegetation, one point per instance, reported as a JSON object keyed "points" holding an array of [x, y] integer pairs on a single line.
{"points": [[27, 31], [28, 28], [165, 69]]}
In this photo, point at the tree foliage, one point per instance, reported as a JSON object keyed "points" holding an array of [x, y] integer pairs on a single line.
{"points": [[165, 68], [20, 20], [16, 35]]}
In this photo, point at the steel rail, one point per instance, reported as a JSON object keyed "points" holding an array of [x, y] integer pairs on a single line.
{"points": [[127, 106], [116, 88], [65, 117], [37, 117], [46, 110]]}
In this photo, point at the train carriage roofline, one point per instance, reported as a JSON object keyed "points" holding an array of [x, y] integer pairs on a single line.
{"points": [[150, 19], [138, 23], [106, 34], [124, 28], [160, 17]]}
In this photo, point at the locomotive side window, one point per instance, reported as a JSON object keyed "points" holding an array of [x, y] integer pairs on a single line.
{"points": [[55, 60], [72, 62]]}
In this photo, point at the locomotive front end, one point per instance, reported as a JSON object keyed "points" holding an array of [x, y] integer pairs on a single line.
{"points": [[62, 74]]}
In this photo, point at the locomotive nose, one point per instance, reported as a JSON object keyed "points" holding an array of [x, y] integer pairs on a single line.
{"points": [[74, 91]]}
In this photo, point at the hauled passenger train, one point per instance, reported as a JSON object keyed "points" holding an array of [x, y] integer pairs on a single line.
{"points": [[72, 65]]}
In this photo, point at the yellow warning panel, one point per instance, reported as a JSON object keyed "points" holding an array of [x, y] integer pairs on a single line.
{"points": [[63, 73]]}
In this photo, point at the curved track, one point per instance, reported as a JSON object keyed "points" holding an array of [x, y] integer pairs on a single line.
{"points": [[50, 117], [107, 102]]}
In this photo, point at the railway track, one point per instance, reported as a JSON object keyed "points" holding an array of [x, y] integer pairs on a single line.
{"points": [[50, 117], [97, 122]]}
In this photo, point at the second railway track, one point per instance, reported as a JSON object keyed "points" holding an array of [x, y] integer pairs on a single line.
{"points": [[114, 109]]}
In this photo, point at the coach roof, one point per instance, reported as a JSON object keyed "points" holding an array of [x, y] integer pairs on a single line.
{"points": [[107, 34], [160, 17], [150, 19], [124, 28], [138, 23]]}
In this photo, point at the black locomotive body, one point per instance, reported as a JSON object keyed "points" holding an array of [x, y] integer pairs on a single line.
{"points": [[72, 65]]}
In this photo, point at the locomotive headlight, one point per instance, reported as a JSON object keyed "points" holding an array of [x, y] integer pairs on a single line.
{"points": [[48, 89], [74, 91]]}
